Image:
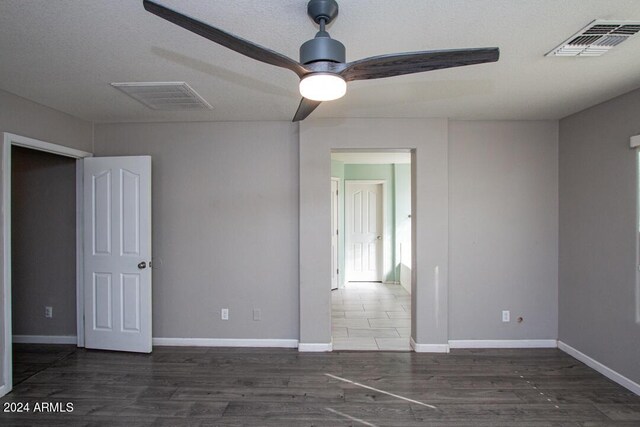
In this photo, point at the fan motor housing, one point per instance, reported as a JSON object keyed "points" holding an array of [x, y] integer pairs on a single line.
{"points": [[326, 10], [322, 48]]}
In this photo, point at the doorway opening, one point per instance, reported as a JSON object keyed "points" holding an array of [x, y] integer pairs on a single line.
{"points": [[371, 306], [42, 235], [43, 260]]}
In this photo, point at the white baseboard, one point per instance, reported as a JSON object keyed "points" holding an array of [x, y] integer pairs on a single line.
{"points": [[225, 342], [45, 339], [604, 370], [503, 343], [428, 348], [315, 347]]}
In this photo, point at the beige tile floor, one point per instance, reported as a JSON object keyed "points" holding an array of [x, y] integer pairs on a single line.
{"points": [[370, 316]]}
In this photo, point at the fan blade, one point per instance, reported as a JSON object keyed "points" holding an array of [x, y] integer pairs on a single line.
{"points": [[305, 108], [378, 67], [225, 39]]}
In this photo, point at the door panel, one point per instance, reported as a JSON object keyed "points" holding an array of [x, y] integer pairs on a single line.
{"points": [[101, 213], [130, 302], [117, 195], [363, 212], [102, 302], [130, 197]]}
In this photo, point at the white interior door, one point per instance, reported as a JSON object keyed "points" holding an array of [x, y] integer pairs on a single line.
{"points": [[363, 217], [335, 272], [117, 253]]}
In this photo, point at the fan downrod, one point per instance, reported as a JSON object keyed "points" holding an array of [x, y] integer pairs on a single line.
{"points": [[322, 10]]}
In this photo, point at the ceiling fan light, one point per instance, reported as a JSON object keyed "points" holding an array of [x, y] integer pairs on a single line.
{"points": [[323, 87]]}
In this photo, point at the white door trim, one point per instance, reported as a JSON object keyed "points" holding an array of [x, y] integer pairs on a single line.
{"points": [[339, 234], [9, 140], [385, 234]]}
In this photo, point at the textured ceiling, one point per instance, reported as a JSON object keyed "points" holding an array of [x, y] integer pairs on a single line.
{"points": [[64, 54]]}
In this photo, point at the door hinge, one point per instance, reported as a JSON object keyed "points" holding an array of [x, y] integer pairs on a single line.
{"points": [[337, 232], [338, 271]]}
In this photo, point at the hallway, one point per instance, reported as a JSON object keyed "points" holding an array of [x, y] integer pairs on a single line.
{"points": [[371, 316]]}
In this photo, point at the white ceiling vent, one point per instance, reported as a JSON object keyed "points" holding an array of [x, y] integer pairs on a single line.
{"points": [[168, 96], [597, 38]]}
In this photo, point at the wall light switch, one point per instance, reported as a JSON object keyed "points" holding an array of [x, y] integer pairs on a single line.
{"points": [[506, 316], [224, 314], [48, 312], [257, 314]]}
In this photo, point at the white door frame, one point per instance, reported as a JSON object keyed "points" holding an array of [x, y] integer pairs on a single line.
{"points": [[10, 140], [385, 234], [339, 234]]}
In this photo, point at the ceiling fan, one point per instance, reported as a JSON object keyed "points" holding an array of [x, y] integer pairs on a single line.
{"points": [[323, 69]]}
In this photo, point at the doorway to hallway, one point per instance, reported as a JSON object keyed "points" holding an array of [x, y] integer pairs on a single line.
{"points": [[371, 308]]}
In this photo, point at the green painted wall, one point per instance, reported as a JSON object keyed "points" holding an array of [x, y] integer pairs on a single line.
{"points": [[337, 169]]}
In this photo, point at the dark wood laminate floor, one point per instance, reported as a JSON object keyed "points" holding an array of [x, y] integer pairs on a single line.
{"points": [[280, 387]]}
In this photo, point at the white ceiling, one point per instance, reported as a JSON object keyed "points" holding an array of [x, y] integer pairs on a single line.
{"points": [[64, 54]]}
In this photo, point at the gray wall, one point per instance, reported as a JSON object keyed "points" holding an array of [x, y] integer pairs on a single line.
{"points": [[598, 229], [27, 118], [503, 229], [43, 254], [225, 224]]}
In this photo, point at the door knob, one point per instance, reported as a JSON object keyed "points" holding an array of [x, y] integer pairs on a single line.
{"points": [[379, 237], [142, 265]]}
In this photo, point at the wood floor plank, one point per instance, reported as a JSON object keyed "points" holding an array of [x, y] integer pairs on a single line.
{"points": [[621, 412], [288, 394], [510, 412], [433, 396]]}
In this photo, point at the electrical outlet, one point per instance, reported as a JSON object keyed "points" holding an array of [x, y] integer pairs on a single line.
{"points": [[224, 314], [257, 314], [506, 316], [48, 312]]}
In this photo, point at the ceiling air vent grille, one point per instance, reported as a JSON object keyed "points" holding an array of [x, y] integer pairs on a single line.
{"points": [[167, 96], [597, 38]]}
